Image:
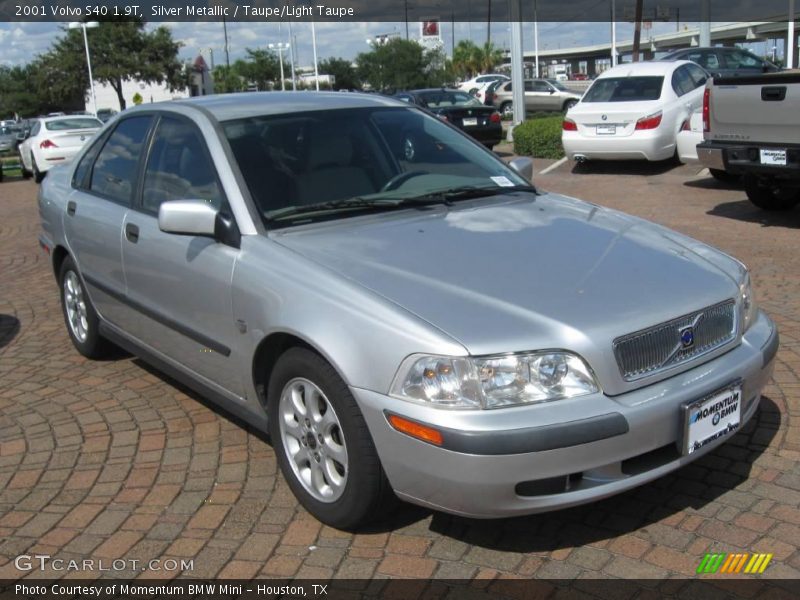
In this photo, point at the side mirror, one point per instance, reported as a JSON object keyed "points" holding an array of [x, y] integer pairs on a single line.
{"points": [[21, 137], [552, 91], [197, 217], [524, 166]]}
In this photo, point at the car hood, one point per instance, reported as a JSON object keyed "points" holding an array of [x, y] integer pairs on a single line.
{"points": [[521, 272]]}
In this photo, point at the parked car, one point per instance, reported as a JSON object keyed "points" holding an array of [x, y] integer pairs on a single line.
{"points": [[462, 110], [634, 111], [472, 85], [54, 141], [540, 94], [724, 61], [689, 136], [424, 322], [8, 139], [751, 129], [104, 114]]}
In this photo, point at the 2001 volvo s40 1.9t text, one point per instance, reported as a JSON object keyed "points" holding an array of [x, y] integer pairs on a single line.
{"points": [[403, 312]]}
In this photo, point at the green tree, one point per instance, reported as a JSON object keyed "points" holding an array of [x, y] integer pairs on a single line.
{"points": [[344, 73], [226, 79], [396, 65], [260, 68], [20, 93], [121, 50], [470, 59]]}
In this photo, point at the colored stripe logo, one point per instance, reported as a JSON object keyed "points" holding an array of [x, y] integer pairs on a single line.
{"points": [[734, 563]]}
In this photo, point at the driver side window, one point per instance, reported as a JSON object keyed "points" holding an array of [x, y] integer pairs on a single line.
{"points": [[179, 167]]}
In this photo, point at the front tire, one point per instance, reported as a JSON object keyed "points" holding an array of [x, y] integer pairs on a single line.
{"points": [[322, 443], [80, 317], [765, 194], [507, 109], [569, 104]]}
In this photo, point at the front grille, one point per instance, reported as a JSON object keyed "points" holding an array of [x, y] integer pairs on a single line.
{"points": [[660, 347]]}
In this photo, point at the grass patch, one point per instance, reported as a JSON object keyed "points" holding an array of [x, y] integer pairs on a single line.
{"points": [[540, 137]]}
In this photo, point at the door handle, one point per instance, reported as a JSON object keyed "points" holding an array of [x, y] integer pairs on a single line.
{"points": [[71, 206], [132, 232]]}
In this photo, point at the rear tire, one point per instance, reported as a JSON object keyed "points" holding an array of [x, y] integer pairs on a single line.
{"points": [[25, 173], [767, 195], [322, 443], [80, 317]]}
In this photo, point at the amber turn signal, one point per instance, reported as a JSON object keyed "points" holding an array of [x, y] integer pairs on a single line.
{"points": [[416, 430]]}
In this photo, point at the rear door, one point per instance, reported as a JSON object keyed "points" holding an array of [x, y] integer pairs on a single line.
{"points": [[104, 183], [180, 285]]}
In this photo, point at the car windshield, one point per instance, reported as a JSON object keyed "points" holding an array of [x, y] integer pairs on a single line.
{"points": [[558, 85], [335, 163], [74, 123], [625, 89], [6, 131], [443, 99]]}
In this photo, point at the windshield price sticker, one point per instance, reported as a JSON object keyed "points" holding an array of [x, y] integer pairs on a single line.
{"points": [[503, 181]]}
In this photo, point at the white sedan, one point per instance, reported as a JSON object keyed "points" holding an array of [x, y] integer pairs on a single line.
{"points": [[634, 111], [54, 141]]}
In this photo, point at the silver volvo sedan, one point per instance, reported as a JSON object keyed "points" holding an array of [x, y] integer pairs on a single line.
{"points": [[401, 311]]}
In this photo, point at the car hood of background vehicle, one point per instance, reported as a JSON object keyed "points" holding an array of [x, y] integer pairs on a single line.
{"points": [[520, 272]]}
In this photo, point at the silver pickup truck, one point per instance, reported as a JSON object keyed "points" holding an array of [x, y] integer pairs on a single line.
{"points": [[751, 128]]}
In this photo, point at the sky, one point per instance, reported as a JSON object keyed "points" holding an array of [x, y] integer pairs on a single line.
{"points": [[22, 41]]}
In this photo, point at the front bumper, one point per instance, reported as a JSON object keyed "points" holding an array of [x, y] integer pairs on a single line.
{"points": [[530, 459], [740, 158]]}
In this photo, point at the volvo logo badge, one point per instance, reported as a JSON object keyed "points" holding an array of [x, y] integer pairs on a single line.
{"points": [[604, 117], [687, 337]]}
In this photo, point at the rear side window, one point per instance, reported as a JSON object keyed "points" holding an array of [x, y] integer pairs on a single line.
{"points": [[698, 75], [179, 167], [682, 81], [625, 89], [114, 173]]}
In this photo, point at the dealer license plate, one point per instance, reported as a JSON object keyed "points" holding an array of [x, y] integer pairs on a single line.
{"points": [[712, 417], [470, 122], [773, 157], [606, 129]]}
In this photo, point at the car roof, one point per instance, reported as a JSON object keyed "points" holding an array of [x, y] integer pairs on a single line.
{"points": [[651, 67], [225, 107]]}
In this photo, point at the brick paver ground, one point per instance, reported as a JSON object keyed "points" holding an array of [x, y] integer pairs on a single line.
{"points": [[113, 460]]}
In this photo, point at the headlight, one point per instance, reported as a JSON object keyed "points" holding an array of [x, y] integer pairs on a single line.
{"points": [[747, 302], [494, 381]]}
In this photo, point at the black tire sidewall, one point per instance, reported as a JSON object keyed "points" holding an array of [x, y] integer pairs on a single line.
{"points": [[94, 345], [366, 483], [765, 197]]}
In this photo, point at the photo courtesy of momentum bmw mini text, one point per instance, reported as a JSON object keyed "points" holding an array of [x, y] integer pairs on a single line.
{"points": [[399, 299]]}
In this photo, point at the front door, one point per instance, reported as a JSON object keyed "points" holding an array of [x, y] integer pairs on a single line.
{"points": [[181, 284]]}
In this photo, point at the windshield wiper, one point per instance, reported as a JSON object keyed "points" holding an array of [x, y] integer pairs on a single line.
{"points": [[332, 205], [446, 196]]}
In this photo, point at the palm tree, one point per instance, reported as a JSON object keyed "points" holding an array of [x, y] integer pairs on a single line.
{"points": [[490, 56]]}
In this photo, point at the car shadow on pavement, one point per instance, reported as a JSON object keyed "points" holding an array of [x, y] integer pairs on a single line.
{"points": [[9, 328], [624, 167], [744, 210], [709, 183], [692, 487]]}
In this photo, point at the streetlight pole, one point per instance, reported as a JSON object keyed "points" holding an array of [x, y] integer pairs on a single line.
{"points": [[280, 47], [314, 45], [85, 26], [291, 57]]}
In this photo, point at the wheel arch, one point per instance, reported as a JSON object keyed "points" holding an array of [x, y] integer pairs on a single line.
{"points": [[59, 254], [267, 354]]}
